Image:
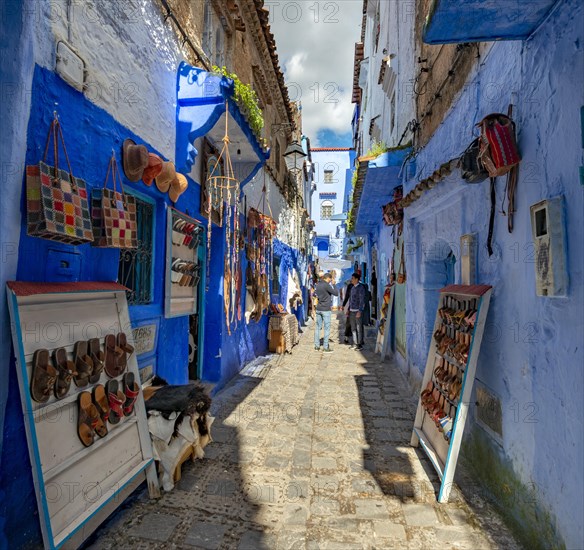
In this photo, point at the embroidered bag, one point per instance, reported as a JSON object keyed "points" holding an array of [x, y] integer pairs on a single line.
{"points": [[56, 201], [498, 149], [113, 213]]}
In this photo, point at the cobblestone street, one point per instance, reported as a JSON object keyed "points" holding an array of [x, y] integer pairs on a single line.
{"points": [[312, 451]]}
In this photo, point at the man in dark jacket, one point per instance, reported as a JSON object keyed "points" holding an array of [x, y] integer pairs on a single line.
{"points": [[356, 307], [348, 331], [324, 293]]}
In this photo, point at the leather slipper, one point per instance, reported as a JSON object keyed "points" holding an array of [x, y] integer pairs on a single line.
{"points": [[131, 391], [116, 401], [126, 349], [43, 376], [98, 358], [112, 355], [101, 402], [87, 419], [83, 364], [66, 372]]}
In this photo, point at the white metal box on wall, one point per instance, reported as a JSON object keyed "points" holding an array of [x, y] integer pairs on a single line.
{"points": [[547, 227]]}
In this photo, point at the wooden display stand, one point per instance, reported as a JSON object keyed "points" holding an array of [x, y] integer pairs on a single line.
{"points": [[449, 377], [77, 487], [180, 298], [382, 343]]}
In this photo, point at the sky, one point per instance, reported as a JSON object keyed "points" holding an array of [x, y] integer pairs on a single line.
{"points": [[315, 40]]}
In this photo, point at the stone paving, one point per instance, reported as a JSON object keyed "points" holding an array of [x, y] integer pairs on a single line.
{"points": [[311, 452]]}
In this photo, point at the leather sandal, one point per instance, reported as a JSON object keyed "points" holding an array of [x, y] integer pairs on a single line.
{"points": [[98, 358], [87, 419], [116, 401], [126, 349], [66, 372], [100, 400], [131, 391], [112, 355], [83, 364], [43, 376]]}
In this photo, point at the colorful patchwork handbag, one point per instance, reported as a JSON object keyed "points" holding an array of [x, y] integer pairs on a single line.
{"points": [[56, 201], [498, 149], [113, 213]]}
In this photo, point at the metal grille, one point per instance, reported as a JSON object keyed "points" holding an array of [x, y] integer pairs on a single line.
{"points": [[135, 269]]}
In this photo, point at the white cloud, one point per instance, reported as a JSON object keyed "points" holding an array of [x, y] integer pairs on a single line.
{"points": [[316, 44]]}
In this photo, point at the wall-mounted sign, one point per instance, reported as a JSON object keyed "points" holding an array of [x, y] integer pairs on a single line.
{"points": [[327, 195], [144, 338]]}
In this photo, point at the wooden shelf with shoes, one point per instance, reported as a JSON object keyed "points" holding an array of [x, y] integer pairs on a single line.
{"points": [[449, 377], [89, 446], [184, 264]]}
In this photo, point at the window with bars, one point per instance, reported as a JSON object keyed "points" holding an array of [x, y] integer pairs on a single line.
{"points": [[328, 176], [326, 210], [135, 267]]}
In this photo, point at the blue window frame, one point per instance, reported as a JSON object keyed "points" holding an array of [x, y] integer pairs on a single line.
{"points": [[135, 269]]}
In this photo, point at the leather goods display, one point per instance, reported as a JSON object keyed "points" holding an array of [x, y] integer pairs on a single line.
{"points": [[471, 167], [393, 213], [447, 385], [56, 200], [401, 272], [113, 213]]}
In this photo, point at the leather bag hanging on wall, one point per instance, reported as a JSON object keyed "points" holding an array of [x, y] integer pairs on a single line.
{"points": [[113, 213], [56, 201], [498, 148], [401, 272], [393, 213], [471, 167]]}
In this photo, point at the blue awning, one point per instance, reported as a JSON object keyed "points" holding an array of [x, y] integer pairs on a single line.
{"points": [[382, 176], [202, 102], [456, 21]]}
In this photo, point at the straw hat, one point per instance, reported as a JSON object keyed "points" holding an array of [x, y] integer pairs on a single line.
{"points": [[153, 169], [166, 176], [178, 187], [134, 159]]}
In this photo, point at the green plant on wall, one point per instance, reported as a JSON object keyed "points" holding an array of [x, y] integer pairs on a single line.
{"points": [[377, 148], [246, 99]]}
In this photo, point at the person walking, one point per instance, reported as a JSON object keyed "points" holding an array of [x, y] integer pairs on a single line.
{"points": [[348, 331], [356, 307], [324, 292]]}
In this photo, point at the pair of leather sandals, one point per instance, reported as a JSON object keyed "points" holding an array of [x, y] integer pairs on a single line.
{"points": [[185, 234], [47, 378], [185, 273], [90, 360], [117, 351], [103, 405]]}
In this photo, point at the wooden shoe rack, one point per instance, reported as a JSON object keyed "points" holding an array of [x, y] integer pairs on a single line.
{"points": [[185, 242], [76, 486], [449, 377]]}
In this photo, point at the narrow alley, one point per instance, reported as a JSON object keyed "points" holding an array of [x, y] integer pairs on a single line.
{"points": [[310, 451], [192, 189]]}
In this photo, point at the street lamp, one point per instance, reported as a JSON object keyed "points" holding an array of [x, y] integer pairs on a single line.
{"points": [[294, 156]]}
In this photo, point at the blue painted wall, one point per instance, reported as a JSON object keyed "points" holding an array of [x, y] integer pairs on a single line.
{"points": [[17, 501], [90, 134], [532, 353]]}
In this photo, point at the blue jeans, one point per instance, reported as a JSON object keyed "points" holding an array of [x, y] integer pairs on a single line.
{"points": [[322, 317]]}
